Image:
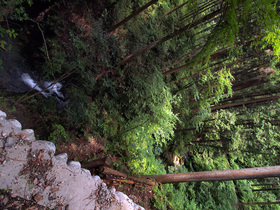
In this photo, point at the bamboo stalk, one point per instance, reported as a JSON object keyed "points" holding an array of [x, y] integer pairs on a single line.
{"points": [[221, 175]]}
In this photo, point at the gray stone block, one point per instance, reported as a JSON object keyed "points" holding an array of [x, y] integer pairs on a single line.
{"points": [[16, 124], [62, 157], [27, 134], [10, 141], [3, 114], [44, 145], [74, 165]]}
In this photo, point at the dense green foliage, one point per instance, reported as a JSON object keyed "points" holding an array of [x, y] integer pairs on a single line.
{"points": [[15, 10], [195, 88]]}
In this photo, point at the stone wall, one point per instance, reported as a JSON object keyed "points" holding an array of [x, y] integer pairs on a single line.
{"points": [[29, 168]]}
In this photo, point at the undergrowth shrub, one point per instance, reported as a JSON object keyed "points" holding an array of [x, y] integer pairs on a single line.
{"points": [[15, 11], [149, 122], [58, 134], [130, 107]]}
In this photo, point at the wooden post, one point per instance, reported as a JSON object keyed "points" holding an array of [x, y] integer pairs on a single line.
{"points": [[106, 161], [109, 171], [225, 175], [112, 172]]}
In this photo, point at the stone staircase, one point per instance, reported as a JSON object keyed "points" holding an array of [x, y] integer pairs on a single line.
{"points": [[29, 168]]}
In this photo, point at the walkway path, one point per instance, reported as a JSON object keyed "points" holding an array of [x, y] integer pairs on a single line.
{"points": [[29, 168]]}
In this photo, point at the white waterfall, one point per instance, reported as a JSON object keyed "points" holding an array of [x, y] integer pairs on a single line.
{"points": [[51, 88]]}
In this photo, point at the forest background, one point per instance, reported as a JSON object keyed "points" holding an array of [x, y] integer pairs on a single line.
{"points": [[169, 86]]}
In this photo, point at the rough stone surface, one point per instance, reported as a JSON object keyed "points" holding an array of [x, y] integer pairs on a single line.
{"points": [[30, 170]]}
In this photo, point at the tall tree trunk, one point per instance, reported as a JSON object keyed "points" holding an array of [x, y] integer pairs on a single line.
{"points": [[241, 103], [202, 8], [258, 203], [189, 129], [192, 52], [213, 55], [215, 69], [204, 141], [225, 175], [249, 96], [133, 15], [267, 189], [249, 83], [170, 36], [176, 8], [266, 184]]}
